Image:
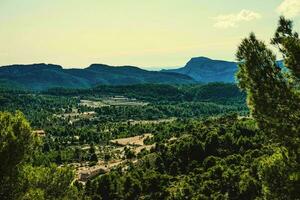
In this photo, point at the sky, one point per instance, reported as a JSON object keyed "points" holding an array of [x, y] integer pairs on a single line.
{"points": [[146, 33]]}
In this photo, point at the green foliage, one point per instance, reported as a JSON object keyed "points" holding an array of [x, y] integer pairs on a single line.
{"points": [[156, 93], [202, 164], [275, 172], [16, 142], [47, 183], [272, 101], [19, 179], [129, 154], [288, 43]]}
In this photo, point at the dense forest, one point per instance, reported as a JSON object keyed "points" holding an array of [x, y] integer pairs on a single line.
{"points": [[203, 141]]}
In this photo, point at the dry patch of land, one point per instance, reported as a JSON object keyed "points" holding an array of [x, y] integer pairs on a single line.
{"points": [[85, 173], [111, 101], [118, 147], [134, 141], [158, 121], [92, 104], [122, 101]]}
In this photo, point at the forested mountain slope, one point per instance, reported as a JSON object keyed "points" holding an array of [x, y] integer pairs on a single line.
{"points": [[45, 76]]}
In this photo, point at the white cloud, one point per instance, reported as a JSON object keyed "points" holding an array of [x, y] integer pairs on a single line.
{"points": [[289, 8], [232, 20]]}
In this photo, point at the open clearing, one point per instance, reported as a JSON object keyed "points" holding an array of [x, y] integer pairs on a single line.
{"points": [[136, 140], [158, 121], [123, 101], [92, 104], [84, 172], [111, 101]]}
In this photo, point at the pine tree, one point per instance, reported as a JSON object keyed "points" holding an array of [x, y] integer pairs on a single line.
{"points": [[271, 100], [274, 102]]}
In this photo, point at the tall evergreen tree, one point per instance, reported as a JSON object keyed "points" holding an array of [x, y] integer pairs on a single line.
{"points": [[274, 102], [271, 100]]}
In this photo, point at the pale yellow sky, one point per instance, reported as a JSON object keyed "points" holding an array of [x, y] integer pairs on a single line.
{"points": [[156, 33]]}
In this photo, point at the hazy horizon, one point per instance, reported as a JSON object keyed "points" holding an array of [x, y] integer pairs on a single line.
{"points": [[151, 35]]}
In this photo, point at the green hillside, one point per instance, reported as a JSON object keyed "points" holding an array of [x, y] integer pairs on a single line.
{"points": [[45, 76]]}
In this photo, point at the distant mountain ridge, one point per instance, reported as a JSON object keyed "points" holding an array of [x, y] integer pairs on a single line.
{"points": [[206, 70], [44, 76]]}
